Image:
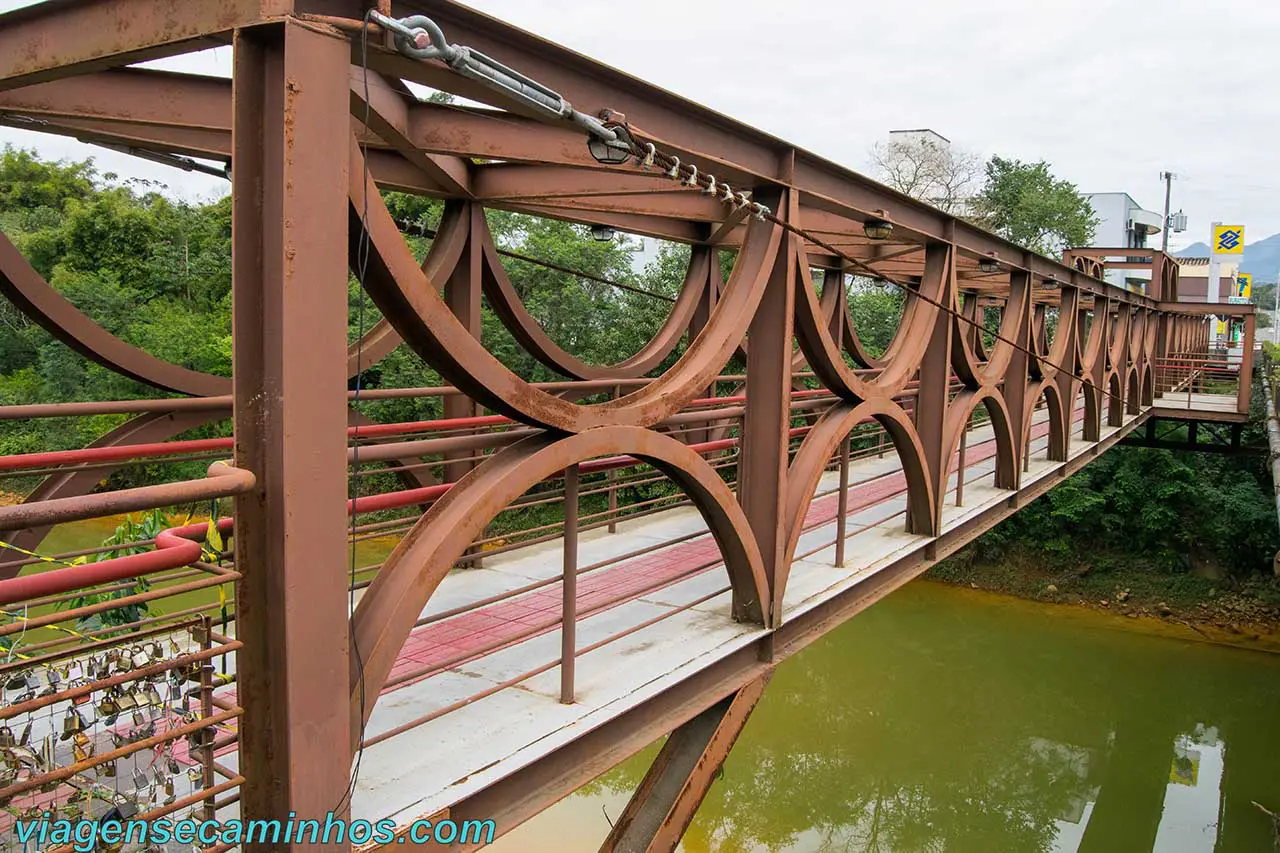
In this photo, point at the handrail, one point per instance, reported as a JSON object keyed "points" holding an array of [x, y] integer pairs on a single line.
{"points": [[175, 547]]}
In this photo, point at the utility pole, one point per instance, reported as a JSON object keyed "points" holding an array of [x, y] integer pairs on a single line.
{"points": [[1167, 177]]}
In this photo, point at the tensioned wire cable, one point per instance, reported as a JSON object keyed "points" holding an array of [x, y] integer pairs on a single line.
{"points": [[673, 169]]}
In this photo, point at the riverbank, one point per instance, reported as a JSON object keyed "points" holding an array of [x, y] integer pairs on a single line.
{"points": [[1191, 605]]}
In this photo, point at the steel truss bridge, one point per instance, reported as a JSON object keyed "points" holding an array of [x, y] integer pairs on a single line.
{"points": [[467, 673]]}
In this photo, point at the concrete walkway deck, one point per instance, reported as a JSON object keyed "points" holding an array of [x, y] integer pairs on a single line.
{"points": [[424, 770]]}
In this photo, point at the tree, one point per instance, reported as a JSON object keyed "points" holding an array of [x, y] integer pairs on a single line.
{"points": [[922, 168], [1026, 204]]}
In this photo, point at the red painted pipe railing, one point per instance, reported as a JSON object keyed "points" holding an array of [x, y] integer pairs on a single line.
{"points": [[178, 547], [175, 547]]}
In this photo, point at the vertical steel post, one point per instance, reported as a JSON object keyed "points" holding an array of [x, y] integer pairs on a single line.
{"points": [[462, 294], [842, 503], [964, 441], [291, 147], [762, 463], [611, 476], [569, 606], [935, 379], [207, 736]]}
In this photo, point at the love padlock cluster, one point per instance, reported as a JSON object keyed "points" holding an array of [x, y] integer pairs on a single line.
{"points": [[116, 727]]}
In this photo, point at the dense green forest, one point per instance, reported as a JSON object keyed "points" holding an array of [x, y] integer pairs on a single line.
{"points": [[156, 272]]}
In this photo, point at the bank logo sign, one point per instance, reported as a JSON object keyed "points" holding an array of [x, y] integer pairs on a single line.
{"points": [[1244, 286], [1228, 239]]}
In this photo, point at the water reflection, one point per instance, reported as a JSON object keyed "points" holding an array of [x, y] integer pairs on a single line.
{"points": [[941, 721]]}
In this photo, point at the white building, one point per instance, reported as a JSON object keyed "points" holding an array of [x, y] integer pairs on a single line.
{"points": [[1123, 224]]}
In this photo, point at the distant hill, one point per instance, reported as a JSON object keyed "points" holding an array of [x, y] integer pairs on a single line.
{"points": [[1262, 258]]}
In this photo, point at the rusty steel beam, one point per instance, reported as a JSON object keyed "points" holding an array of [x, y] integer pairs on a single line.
{"points": [[61, 38], [662, 807], [290, 367], [513, 181], [709, 139], [34, 297], [386, 113]]}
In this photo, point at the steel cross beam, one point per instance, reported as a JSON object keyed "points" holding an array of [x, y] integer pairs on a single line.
{"points": [[662, 807]]}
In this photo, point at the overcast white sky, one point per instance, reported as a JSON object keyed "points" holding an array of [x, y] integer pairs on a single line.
{"points": [[1110, 92]]}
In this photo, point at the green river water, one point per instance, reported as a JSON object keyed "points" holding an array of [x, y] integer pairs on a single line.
{"points": [[946, 720]]}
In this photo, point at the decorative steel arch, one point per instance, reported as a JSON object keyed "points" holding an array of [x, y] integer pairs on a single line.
{"points": [[394, 601]]}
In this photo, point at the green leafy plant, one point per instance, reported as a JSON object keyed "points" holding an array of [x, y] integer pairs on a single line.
{"points": [[148, 526]]}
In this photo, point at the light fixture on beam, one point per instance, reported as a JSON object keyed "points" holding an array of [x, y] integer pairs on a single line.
{"points": [[602, 233], [989, 265], [877, 229]]}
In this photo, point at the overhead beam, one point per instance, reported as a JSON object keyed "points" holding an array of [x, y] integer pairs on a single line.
{"points": [[676, 206], [519, 181], [709, 139], [676, 230], [62, 38], [131, 95], [191, 142]]}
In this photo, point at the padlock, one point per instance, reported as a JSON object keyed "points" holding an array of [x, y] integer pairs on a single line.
{"points": [[6, 737], [140, 779], [17, 681], [124, 702], [72, 723], [33, 682], [138, 719], [108, 708], [139, 657], [107, 769], [75, 671], [195, 775], [139, 698], [156, 650], [173, 766], [82, 747], [153, 696], [53, 676], [119, 740]]}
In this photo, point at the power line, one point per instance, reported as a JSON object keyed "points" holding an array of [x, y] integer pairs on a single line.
{"points": [[424, 231]]}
